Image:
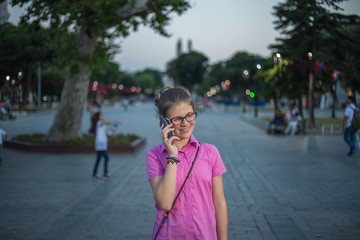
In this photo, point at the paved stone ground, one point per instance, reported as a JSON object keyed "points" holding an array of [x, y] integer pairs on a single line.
{"points": [[277, 187]]}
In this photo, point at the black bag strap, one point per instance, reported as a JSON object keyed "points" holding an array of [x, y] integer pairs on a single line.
{"points": [[167, 212]]}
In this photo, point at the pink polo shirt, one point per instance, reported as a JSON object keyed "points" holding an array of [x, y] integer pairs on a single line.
{"points": [[193, 215]]}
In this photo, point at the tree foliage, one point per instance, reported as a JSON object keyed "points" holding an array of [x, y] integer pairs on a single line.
{"points": [[108, 20], [52, 79], [188, 69], [110, 73], [240, 69], [21, 49], [233, 70], [86, 37], [148, 80], [309, 26]]}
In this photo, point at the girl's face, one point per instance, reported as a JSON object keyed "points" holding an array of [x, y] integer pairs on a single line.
{"points": [[185, 128], [101, 116]]}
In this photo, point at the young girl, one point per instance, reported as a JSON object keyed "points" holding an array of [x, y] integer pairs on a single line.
{"points": [[98, 127], [200, 210]]}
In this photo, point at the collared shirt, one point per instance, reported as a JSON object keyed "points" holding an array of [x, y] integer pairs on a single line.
{"points": [[193, 215], [100, 137], [349, 112]]}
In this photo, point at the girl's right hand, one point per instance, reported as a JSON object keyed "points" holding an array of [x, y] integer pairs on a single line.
{"points": [[169, 142]]}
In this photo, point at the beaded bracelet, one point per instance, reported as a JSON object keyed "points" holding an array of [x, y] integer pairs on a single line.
{"points": [[172, 160]]}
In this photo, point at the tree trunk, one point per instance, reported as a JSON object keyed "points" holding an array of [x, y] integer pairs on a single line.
{"points": [[311, 73], [334, 98], [299, 100], [67, 122], [311, 100], [68, 119]]}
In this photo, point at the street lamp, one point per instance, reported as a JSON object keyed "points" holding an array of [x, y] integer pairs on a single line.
{"points": [[258, 69], [309, 55], [277, 61], [245, 75]]}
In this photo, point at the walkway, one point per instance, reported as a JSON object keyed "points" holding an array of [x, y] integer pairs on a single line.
{"points": [[301, 187]]}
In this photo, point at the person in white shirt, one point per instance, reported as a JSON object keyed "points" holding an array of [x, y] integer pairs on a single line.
{"points": [[98, 127], [348, 131], [293, 120]]}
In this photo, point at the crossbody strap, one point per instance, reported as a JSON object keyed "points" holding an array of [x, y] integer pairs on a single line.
{"points": [[167, 212]]}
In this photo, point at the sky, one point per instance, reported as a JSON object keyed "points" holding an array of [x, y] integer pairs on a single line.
{"points": [[217, 29]]}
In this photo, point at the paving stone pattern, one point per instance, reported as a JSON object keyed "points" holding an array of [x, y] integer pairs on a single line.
{"points": [[276, 187]]}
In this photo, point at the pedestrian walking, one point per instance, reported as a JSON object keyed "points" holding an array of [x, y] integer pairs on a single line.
{"points": [[99, 128], [3, 137], [125, 103], [349, 131], [185, 175]]}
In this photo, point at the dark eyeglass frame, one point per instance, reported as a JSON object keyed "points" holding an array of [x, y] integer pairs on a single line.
{"points": [[182, 118]]}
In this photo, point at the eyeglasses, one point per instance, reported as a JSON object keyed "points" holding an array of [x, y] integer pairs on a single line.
{"points": [[178, 120]]}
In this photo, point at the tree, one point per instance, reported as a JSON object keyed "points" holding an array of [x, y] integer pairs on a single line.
{"points": [[145, 81], [214, 77], [127, 80], [302, 22], [109, 73], [106, 73], [22, 49], [343, 54], [52, 81], [239, 67], [188, 69], [157, 77], [149, 81], [172, 71], [90, 28], [233, 70]]}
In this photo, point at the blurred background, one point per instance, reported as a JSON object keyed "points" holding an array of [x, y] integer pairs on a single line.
{"points": [[254, 54]]}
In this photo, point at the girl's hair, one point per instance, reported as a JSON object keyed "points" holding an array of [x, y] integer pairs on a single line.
{"points": [[94, 119], [171, 96]]}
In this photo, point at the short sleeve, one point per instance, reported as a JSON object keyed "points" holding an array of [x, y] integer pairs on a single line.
{"points": [[153, 165], [218, 166], [348, 111]]}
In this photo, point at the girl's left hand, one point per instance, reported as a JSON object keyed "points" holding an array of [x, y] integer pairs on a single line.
{"points": [[169, 142]]}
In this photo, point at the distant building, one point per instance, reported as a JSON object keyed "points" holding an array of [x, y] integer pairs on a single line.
{"points": [[4, 14], [189, 45], [179, 48], [166, 78]]}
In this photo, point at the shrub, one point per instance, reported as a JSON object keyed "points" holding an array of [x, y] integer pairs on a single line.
{"points": [[119, 139]]}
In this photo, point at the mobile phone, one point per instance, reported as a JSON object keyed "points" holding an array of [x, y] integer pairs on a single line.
{"points": [[163, 121]]}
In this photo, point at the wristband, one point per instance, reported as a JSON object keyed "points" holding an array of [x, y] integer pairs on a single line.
{"points": [[172, 160]]}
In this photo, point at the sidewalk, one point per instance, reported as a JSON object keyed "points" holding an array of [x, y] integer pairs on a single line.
{"points": [[276, 187]]}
